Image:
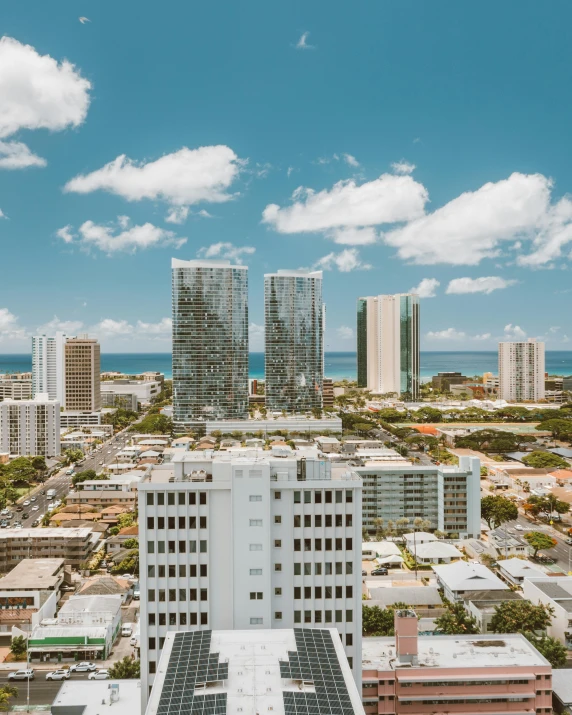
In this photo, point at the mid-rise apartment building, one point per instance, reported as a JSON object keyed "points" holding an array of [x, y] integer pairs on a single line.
{"points": [[388, 344], [15, 389], [294, 341], [249, 542], [521, 371], [48, 359], [74, 545], [410, 674], [30, 427], [81, 376], [448, 497], [210, 341]]}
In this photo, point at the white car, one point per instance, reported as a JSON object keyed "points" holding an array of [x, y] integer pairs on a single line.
{"points": [[32, 498], [35, 507], [51, 506], [99, 675], [518, 527], [22, 675], [3, 513], [83, 667], [26, 503], [58, 675]]}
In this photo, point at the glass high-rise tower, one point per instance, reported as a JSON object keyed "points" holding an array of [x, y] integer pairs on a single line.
{"points": [[388, 344], [210, 341], [294, 316]]}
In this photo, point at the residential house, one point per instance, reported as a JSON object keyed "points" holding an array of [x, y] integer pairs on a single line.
{"points": [[515, 570], [482, 605], [460, 578], [554, 591]]}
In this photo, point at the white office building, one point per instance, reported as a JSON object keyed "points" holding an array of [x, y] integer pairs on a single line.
{"points": [[249, 542], [30, 427], [48, 366], [521, 371], [388, 344]]}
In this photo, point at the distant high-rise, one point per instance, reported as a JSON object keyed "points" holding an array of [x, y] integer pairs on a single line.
{"points": [[210, 341], [388, 344], [48, 357], [82, 374], [521, 371], [294, 336]]}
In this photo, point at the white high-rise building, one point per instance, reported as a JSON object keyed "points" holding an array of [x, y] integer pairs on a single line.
{"points": [[388, 344], [249, 542], [521, 371], [48, 366], [30, 427]]}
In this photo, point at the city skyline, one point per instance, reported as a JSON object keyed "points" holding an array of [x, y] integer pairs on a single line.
{"points": [[395, 169]]}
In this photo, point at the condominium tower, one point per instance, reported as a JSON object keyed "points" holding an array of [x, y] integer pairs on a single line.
{"points": [[210, 341], [521, 371], [82, 375], [30, 427], [388, 344], [251, 541], [48, 358], [294, 340]]}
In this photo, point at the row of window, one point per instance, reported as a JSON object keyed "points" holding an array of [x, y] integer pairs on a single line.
{"points": [[178, 497], [328, 616], [328, 543], [328, 592], [462, 683], [194, 619], [173, 522], [462, 701], [173, 571], [176, 594], [174, 547], [327, 495], [328, 519]]}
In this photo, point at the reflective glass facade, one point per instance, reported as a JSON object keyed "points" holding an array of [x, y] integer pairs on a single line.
{"points": [[362, 342], [294, 340], [409, 345], [210, 341]]}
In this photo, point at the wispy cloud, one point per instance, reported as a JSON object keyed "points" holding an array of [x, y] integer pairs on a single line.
{"points": [[226, 251], [303, 43]]}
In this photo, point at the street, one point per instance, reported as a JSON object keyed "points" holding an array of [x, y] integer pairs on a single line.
{"points": [[561, 552], [42, 691]]}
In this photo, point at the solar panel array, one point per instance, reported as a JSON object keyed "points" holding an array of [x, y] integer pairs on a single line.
{"points": [[315, 659], [191, 662]]}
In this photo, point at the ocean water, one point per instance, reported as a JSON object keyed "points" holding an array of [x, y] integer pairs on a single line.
{"points": [[337, 365]]}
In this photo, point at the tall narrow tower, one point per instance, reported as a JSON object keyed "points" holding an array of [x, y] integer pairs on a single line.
{"points": [[82, 374], [210, 341], [48, 360], [521, 371], [294, 338]]}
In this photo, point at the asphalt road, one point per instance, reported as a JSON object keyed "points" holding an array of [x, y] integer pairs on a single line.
{"points": [[562, 552], [42, 691]]}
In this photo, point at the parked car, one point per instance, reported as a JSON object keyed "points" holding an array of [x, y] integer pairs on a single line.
{"points": [[3, 524], [99, 675], [569, 540], [381, 571], [519, 527], [32, 498], [4, 512], [25, 515], [22, 675], [26, 503], [83, 667], [19, 508], [35, 507], [61, 674]]}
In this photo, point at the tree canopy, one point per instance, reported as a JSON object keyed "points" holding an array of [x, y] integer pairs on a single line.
{"points": [[154, 424], [559, 428], [546, 506], [542, 460], [492, 440], [456, 621], [496, 510], [554, 652], [537, 540], [125, 669], [521, 615]]}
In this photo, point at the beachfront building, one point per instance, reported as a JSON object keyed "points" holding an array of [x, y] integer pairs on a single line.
{"points": [[294, 341], [48, 360], [388, 344], [82, 374], [210, 341], [521, 371]]}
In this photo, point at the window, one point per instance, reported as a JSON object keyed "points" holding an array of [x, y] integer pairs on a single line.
{"points": [[278, 615], [277, 519], [160, 522], [349, 639], [339, 520], [150, 522], [277, 495], [307, 569], [297, 569], [151, 595], [277, 543], [349, 496], [181, 522], [182, 594], [349, 616], [297, 497], [151, 619], [317, 497], [204, 617], [297, 616], [152, 667], [339, 544], [172, 621], [161, 595], [255, 522], [193, 570], [161, 499], [202, 497], [255, 497], [318, 569], [277, 567], [182, 571], [318, 592], [150, 571], [182, 619], [150, 499], [317, 544], [297, 520], [328, 591], [339, 592], [349, 567], [307, 616], [150, 547], [192, 498], [203, 547], [182, 547], [171, 546], [255, 547], [307, 544], [256, 572], [297, 592], [307, 497], [193, 617], [171, 522], [307, 592], [328, 519], [317, 616], [328, 567], [349, 544], [349, 520], [349, 592], [328, 497], [171, 498], [328, 544], [256, 595], [297, 545], [339, 497], [192, 522], [339, 618], [181, 498], [193, 594], [307, 521], [351, 664], [161, 547], [203, 570], [339, 567], [203, 522], [204, 594], [172, 571], [162, 619], [256, 621], [277, 591]]}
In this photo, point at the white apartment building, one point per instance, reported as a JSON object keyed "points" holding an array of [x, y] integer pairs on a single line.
{"points": [[48, 361], [144, 390], [249, 542], [30, 427], [448, 497], [521, 371], [388, 344]]}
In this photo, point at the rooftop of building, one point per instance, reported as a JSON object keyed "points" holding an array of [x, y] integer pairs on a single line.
{"points": [[255, 671], [33, 574], [201, 263], [520, 568], [104, 586], [464, 576], [458, 651], [557, 588], [49, 533], [411, 595], [109, 603], [562, 684], [96, 697]]}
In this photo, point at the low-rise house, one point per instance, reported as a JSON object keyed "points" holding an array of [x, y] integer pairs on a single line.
{"points": [[371, 550], [562, 690], [514, 570], [107, 586], [421, 598], [418, 537], [554, 591], [461, 578], [183, 442], [434, 552], [115, 543], [482, 605], [506, 542], [328, 444]]}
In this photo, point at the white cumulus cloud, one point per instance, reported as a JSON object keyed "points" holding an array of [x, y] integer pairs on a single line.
{"points": [[16, 155], [486, 284], [163, 327], [121, 237], [178, 214], [447, 334], [256, 337], [427, 288], [345, 261], [351, 160], [10, 328], [183, 178], [514, 332], [403, 167], [227, 251], [345, 332], [70, 327]]}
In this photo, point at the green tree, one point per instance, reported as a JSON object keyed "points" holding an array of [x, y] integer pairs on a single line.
{"points": [[560, 429], [71, 456], [547, 506], [554, 652], [39, 464], [18, 647], [20, 470], [537, 540], [125, 669], [131, 544], [521, 615], [125, 520], [88, 475], [377, 621], [154, 424], [7, 692], [456, 621], [544, 460], [496, 510]]}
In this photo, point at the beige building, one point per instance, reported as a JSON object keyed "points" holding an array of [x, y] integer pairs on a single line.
{"points": [[521, 371], [82, 370], [72, 545], [15, 389]]}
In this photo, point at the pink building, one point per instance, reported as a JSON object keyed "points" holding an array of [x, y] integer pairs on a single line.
{"points": [[470, 675]]}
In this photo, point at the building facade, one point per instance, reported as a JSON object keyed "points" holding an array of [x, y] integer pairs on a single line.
{"points": [[448, 497], [82, 370], [388, 344], [294, 340], [144, 390], [210, 341], [245, 543], [48, 360], [15, 389], [521, 371], [74, 545], [30, 427]]}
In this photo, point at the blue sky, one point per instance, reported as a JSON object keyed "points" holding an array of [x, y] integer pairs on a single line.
{"points": [[394, 144]]}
